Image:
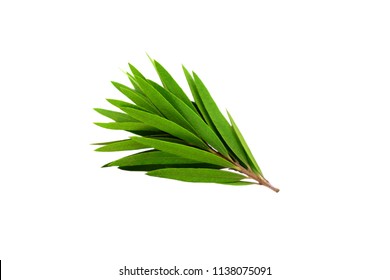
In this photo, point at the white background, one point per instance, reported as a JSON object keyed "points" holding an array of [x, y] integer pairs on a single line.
{"points": [[308, 84]]}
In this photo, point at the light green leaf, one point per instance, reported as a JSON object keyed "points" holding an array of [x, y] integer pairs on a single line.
{"points": [[219, 121], [137, 126], [198, 125], [120, 103], [135, 85], [116, 116], [136, 72], [252, 160], [197, 175], [150, 167], [166, 126], [131, 77], [136, 97], [106, 143], [185, 151], [151, 157], [123, 145]]}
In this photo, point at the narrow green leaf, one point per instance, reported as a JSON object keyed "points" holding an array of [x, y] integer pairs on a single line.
{"points": [[150, 167], [135, 71], [151, 157], [166, 126], [127, 126], [147, 133], [116, 116], [171, 85], [106, 143], [133, 82], [219, 121], [198, 100], [252, 160], [162, 104], [197, 175], [185, 151], [198, 125], [169, 139], [120, 103], [136, 97], [123, 145], [240, 183]]}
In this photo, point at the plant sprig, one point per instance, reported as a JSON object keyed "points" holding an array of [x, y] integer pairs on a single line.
{"points": [[178, 138]]}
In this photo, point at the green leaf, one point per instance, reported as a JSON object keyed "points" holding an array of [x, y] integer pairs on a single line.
{"points": [[198, 100], [185, 151], [131, 77], [162, 103], [150, 167], [135, 85], [136, 72], [178, 138], [198, 125], [136, 97], [240, 183], [170, 84], [219, 121], [167, 126], [106, 143], [151, 157], [197, 175], [120, 103], [252, 160], [116, 116], [123, 145], [169, 139], [127, 126]]}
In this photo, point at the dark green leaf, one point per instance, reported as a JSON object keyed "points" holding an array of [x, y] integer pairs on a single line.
{"points": [[197, 175], [185, 151]]}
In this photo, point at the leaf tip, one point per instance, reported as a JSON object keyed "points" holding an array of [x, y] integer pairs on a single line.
{"points": [[151, 59], [115, 84], [99, 124], [107, 165]]}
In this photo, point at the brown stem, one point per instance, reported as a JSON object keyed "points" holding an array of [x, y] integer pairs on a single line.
{"points": [[260, 179]]}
